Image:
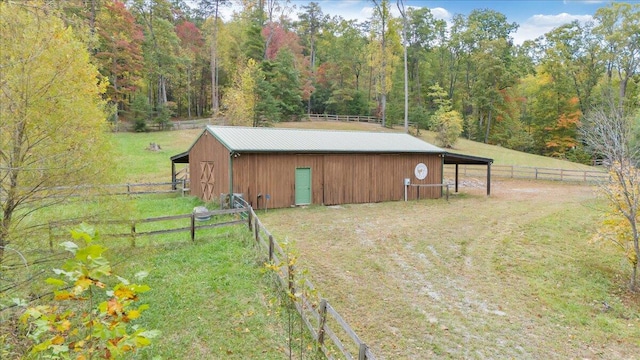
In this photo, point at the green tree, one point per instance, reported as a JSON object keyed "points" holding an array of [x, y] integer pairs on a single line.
{"points": [[619, 25], [53, 130]]}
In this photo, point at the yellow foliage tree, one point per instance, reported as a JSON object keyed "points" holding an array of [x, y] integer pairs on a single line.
{"points": [[608, 131], [241, 98], [53, 136]]}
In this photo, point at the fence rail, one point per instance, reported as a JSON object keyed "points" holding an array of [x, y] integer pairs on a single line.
{"points": [[346, 118], [321, 311], [133, 225], [534, 173]]}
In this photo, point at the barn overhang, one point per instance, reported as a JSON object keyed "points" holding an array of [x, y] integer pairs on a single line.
{"points": [[457, 159], [182, 158]]}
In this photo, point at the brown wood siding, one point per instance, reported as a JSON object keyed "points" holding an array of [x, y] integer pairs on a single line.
{"points": [[207, 148], [335, 178]]}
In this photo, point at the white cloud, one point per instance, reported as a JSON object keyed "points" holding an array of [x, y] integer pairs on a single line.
{"points": [[441, 13], [538, 25]]}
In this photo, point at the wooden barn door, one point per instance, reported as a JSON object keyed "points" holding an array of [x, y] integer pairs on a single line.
{"points": [[303, 186], [207, 180]]}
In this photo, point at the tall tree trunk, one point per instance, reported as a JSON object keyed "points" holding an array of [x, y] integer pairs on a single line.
{"points": [[215, 105]]}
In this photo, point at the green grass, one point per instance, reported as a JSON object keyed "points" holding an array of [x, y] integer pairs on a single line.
{"points": [[136, 164], [211, 299]]}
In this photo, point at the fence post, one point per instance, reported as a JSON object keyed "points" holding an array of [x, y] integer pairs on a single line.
{"points": [[133, 234], [257, 230], [128, 189], [270, 247], [249, 218], [322, 311], [362, 354], [290, 276], [50, 236], [193, 227], [536, 173], [512, 171], [561, 173]]}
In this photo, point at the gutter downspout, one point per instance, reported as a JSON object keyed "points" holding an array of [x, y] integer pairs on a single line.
{"points": [[231, 155], [442, 171]]}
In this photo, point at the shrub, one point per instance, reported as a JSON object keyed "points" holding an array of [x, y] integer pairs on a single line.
{"points": [[87, 317]]}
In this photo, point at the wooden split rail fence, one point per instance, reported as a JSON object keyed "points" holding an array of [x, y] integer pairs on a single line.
{"points": [[133, 225], [343, 118], [319, 312], [533, 173]]}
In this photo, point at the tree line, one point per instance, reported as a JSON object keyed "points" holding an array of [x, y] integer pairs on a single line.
{"points": [[273, 61]]}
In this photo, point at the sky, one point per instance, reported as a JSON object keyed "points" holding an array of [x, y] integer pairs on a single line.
{"points": [[534, 17]]}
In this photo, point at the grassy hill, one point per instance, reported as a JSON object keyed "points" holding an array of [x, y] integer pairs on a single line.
{"points": [[500, 155]]}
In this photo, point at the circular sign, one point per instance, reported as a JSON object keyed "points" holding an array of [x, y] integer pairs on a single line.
{"points": [[421, 171]]}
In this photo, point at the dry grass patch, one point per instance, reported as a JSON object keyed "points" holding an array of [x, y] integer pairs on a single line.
{"points": [[510, 276]]}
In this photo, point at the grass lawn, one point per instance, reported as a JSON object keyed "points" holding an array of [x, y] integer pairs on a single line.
{"points": [[210, 299]]}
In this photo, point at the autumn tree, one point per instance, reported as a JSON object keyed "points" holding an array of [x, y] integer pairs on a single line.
{"points": [[384, 52], [241, 97], [446, 123], [53, 128], [119, 53], [609, 132]]}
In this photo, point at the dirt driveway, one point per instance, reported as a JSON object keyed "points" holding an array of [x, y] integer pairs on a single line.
{"points": [[513, 275]]}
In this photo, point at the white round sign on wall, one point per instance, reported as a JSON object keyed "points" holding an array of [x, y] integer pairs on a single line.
{"points": [[421, 171]]}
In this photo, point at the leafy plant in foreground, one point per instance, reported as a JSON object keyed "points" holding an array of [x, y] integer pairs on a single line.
{"points": [[88, 317]]}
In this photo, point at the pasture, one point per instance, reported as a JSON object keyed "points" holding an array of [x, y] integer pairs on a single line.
{"points": [[514, 275]]}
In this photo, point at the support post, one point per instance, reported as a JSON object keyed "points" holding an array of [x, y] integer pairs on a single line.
{"points": [[173, 176], [457, 177], [488, 179]]}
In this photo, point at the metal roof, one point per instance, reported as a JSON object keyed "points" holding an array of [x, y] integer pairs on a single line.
{"points": [[245, 139], [452, 158]]}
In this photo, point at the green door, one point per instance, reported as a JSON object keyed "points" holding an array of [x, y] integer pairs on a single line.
{"points": [[303, 186]]}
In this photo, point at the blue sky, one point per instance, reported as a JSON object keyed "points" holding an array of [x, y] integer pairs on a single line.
{"points": [[534, 17]]}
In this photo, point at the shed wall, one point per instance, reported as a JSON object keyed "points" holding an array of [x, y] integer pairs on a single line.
{"points": [[336, 178], [208, 149]]}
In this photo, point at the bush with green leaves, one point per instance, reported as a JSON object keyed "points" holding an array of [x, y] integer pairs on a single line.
{"points": [[92, 310], [448, 127]]}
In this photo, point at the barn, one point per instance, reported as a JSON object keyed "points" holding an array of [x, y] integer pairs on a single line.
{"points": [[275, 168]]}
